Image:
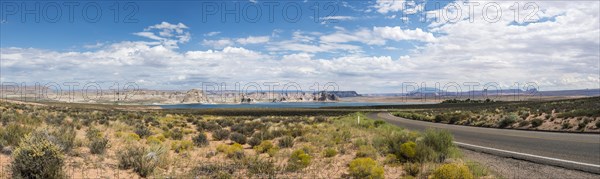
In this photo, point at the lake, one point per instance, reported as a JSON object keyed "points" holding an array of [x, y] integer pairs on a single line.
{"points": [[278, 105]]}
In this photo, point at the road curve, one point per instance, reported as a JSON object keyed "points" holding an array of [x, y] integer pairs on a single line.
{"points": [[578, 148]]}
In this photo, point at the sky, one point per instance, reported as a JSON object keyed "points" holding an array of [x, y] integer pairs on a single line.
{"points": [[377, 46]]}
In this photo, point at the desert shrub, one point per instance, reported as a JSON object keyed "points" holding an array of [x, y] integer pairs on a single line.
{"points": [[582, 124], [143, 131], [452, 170], [141, 159], [597, 124], [536, 122], [154, 140], [366, 151], [225, 122], [298, 160], [566, 125], [408, 150], [181, 146], [37, 157], [360, 142], [412, 169], [98, 145], [365, 168], [264, 135], [580, 112], [286, 142], [508, 120], [412, 115], [329, 152], [246, 128], [277, 133], [264, 146], [378, 123], [440, 142], [64, 137], [200, 140], [297, 131], [208, 126], [130, 136], [478, 170], [237, 137], [232, 151], [176, 134], [260, 168], [524, 123], [216, 170], [220, 134], [13, 132], [254, 141]]}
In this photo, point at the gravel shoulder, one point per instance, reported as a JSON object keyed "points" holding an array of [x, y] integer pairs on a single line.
{"points": [[515, 168]]}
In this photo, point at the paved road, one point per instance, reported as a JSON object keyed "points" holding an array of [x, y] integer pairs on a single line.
{"points": [[584, 148]]}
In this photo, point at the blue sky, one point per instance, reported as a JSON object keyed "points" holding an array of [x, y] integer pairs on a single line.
{"points": [[369, 46]]}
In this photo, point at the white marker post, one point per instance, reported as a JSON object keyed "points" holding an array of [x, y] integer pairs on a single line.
{"points": [[358, 120]]}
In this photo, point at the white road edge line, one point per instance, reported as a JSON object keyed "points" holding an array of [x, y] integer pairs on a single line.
{"points": [[529, 155]]}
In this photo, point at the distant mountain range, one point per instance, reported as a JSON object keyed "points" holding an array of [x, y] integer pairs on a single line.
{"points": [[439, 92]]}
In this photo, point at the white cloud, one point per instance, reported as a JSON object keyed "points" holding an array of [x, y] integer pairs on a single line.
{"points": [[253, 40], [210, 34], [169, 35], [339, 18], [221, 43], [385, 6], [559, 51], [378, 35]]}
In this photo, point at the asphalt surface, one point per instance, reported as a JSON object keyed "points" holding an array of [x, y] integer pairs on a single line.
{"points": [[584, 148]]}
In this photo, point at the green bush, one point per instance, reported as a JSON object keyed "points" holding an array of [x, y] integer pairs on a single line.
{"points": [[176, 134], [264, 146], [524, 123], [37, 157], [143, 131], [155, 139], [508, 120], [64, 137], [232, 151], [208, 126], [425, 153], [220, 134], [141, 159], [237, 137], [365, 168], [408, 150], [366, 151], [200, 140], [536, 122], [286, 142], [98, 145], [452, 170], [298, 160], [181, 146], [260, 168], [13, 132], [378, 123], [254, 141], [440, 142], [329, 152], [566, 125], [412, 169]]}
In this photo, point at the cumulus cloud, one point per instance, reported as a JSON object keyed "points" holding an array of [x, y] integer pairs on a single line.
{"points": [[558, 50], [378, 35], [253, 40], [167, 34]]}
